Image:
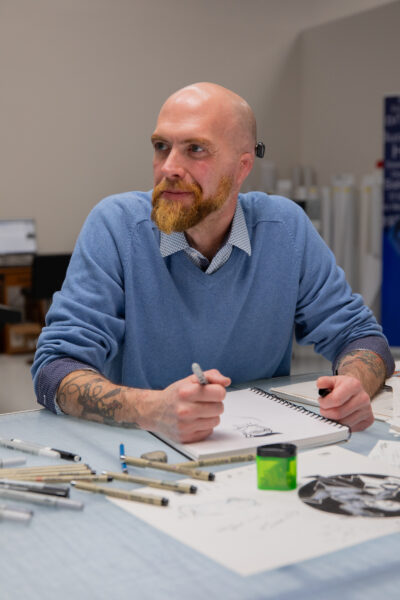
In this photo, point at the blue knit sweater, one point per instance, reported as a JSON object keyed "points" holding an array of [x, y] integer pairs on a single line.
{"points": [[141, 320]]}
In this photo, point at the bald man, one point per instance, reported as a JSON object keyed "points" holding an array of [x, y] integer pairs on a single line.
{"points": [[197, 271]]}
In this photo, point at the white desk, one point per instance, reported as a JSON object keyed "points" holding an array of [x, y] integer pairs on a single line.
{"points": [[105, 553]]}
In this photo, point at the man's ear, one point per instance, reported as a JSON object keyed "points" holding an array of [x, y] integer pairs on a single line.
{"points": [[245, 165]]}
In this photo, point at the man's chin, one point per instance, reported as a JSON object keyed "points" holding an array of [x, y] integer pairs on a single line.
{"points": [[168, 224]]}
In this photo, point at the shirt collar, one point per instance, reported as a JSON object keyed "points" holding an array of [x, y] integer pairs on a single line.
{"points": [[238, 236]]}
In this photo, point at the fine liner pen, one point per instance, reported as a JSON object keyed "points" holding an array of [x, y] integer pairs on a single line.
{"points": [[33, 486], [152, 464], [12, 513], [48, 477], [39, 469], [20, 473], [61, 453], [185, 488], [118, 493], [57, 467], [42, 499], [220, 460], [69, 478], [198, 371]]}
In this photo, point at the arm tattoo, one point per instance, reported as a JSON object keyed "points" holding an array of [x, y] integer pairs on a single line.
{"points": [[97, 404], [366, 366], [365, 358]]}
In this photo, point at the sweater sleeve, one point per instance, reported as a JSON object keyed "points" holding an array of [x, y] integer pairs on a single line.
{"points": [[328, 314], [86, 321], [50, 377]]}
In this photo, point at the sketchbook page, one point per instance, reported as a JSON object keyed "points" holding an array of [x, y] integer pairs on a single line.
{"points": [[251, 419], [249, 530], [306, 392]]}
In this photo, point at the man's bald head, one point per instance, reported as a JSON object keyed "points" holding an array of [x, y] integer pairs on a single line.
{"points": [[232, 112]]}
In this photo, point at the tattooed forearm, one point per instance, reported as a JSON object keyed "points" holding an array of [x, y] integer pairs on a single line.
{"points": [[367, 366], [91, 396], [363, 358]]}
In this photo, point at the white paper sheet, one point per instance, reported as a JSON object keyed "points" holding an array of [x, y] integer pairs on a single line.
{"points": [[249, 530], [386, 451]]}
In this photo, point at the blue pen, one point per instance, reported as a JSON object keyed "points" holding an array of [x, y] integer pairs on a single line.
{"points": [[124, 468]]}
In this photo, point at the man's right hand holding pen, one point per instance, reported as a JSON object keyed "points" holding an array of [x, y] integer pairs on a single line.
{"points": [[190, 410]]}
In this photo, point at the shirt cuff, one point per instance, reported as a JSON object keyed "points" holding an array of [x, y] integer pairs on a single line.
{"points": [[374, 343], [50, 377]]}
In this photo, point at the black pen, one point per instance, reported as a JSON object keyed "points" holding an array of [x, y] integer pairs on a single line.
{"points": [[67, 455], [324, 392], [198, 371]]}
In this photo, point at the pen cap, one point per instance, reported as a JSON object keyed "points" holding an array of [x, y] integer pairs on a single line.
{"points": [[276, 467]]}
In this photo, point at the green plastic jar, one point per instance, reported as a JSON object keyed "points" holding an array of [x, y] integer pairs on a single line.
{"points": [[276, 467]]}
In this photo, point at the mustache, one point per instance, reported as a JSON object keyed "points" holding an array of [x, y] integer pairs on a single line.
{"points": [[172, 186]]}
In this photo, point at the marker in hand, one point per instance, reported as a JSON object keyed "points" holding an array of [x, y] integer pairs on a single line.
{"points": [[198, 371], [324, 392]]}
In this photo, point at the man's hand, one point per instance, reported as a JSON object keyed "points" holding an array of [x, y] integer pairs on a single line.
{"points": [[186, 411], [361, 374], [347, 402]]}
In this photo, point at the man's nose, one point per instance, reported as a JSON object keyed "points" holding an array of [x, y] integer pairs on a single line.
{"points": [[172, 167]]}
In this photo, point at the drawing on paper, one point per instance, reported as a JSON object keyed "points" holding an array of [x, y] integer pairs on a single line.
{"points": [[251, 427], [358, 495]]}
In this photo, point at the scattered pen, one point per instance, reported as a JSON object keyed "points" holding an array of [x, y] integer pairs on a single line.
{"points": [[185, 488], [198, 371], [42, 499], [33, 448], [152, 464], [24, 447], [34, 486], [124, 468], [117, 493], [217, 460], [62, 453]]}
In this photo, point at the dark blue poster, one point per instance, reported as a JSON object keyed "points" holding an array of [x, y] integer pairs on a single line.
{"points": [[391, 222]]}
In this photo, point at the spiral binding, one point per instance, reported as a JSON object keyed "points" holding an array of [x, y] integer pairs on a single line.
{"points": [[297, 408]]}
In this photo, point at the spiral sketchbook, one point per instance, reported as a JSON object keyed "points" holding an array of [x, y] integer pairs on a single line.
{"points": [[253, 417]]}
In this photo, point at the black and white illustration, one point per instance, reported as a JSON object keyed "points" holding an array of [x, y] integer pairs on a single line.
{"points": [[357, 495]]}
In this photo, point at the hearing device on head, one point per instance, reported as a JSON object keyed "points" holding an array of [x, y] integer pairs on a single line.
{"points": [[260, 149]]}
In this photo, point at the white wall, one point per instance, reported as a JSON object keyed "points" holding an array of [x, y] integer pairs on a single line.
{"points": [[82, 82], [347, 68]]}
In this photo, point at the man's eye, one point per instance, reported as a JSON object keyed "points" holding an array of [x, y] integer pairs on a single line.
{"points": [[196, 148], [160, 146]]}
